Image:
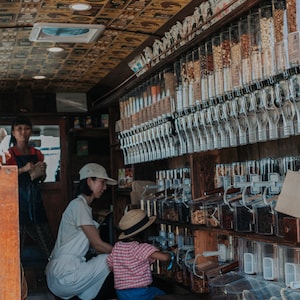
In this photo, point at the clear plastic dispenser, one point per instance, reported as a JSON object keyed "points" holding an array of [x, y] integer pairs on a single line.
{"points": [[270, 265], [291, 258], [293, 21], [280, 35], [217, 284], [249, 257]]}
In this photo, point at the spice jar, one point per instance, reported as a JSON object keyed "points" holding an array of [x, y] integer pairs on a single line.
{"points": [[266, 22], [245, 50]]}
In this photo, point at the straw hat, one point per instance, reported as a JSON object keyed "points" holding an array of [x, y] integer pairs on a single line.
{"points": [[95, 170], [133, 222]]}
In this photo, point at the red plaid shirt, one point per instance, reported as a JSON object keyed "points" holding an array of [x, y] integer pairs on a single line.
{"points": [[130, 263]]}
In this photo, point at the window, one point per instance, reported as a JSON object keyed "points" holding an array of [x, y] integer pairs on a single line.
{"points": [[46, 138]]}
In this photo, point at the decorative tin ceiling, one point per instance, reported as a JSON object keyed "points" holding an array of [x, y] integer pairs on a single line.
{"points": [[81, 66]]}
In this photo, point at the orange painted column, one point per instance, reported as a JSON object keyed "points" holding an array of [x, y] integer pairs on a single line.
{"points": [[10, 287]]}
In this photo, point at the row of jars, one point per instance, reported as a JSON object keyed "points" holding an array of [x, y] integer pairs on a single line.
{"points": [[268, 113], [260, 270], [258, 46], [230, 173]]}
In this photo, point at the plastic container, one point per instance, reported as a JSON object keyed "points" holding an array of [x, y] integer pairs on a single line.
{"points": [[210, 70], [245, 41], [266, 23], [203, 72], [270, 291], [243, 218], [205, 211], [199, 279], [289, 294], [264, 220], [226, 216], [279, 224], [249, 257], [226, 60], [217, 284], [280, 35], [236, 288], [293, 22], [255, 34], [235, 49], [270, 264], [212, 212], [197, 208], [218, 64]]}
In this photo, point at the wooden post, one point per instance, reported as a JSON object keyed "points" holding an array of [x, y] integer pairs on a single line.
{"points": [[10, 286]]}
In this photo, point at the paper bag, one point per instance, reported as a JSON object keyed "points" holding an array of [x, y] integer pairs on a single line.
{"points": [[138, 187], [289, 198]]}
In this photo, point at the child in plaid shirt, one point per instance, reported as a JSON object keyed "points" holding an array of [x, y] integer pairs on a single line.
{"points": [[131, 258]]}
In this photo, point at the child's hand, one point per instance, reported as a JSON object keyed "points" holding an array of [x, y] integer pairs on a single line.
{"points": [[174, 249]]}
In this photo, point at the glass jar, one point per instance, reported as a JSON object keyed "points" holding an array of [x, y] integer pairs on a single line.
{"points": [[293, 22], [280, 35], [184, 81], [256, 62], [203, 72], [266, 22], [210, 70], [197, 76], [245, 50], [190, 69], [235, 52], [226, 59], [218, 64]]}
